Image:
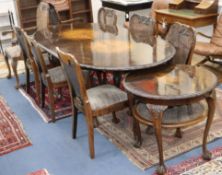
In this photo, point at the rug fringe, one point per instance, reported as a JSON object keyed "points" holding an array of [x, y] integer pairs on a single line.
{"points": [[34, 105]]}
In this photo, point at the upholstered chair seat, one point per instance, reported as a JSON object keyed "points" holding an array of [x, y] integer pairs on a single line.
{"points": [[13, 51], [104, 96], [175, 114]]}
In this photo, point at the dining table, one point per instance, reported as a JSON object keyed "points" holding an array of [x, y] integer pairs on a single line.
{"points": [[100, 49]]}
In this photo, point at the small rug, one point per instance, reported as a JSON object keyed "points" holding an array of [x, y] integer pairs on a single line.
{"points": [[146, 156], [40, 172], [12, 135], [62, 104], [198, 166]]}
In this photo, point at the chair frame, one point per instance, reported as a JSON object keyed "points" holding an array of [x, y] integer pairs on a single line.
{"points": [[51, 86], [83, 105]]}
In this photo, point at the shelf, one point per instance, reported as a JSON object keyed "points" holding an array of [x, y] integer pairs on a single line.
{"points": [[27, 12], [29, 7], [76, 1], [26, 21], [81, 11]]}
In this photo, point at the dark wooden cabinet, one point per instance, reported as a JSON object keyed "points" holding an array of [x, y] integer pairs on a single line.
{"points": [[27, 12]]}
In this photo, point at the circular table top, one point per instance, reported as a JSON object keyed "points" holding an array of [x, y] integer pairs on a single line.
{"points": [[96, 48], [175, 83]]}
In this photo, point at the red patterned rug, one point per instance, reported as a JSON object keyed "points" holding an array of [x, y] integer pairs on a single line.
{"points": [[12, 135], [62, 104], [40, 172], [198, 166]]}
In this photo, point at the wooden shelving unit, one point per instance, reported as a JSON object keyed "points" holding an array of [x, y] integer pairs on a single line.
{"points": [[27, 12]]}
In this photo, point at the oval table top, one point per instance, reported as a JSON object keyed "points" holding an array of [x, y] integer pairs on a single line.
{"points": [[100, 49], [176, 83]]}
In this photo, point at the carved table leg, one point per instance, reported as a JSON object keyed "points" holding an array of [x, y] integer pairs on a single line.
{"points": [[136, 126], [117, 78], [157, 114], [211, 108]]}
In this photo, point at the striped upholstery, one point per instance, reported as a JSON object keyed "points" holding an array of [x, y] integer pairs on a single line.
{"points": [[104, 96], [13, 51], [175, 114]]}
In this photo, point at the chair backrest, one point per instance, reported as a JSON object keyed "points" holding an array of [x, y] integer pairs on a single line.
{"points": [[217, 35], [107, 20], [42, 16], [142, 29], [38, 57], [183, 38], [60, 5], [53, 15], [157, 5], [21, 38], [74, 76]]}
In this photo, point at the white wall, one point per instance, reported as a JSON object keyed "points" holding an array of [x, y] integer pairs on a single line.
{"points": [[6, 5], [96, 4]]}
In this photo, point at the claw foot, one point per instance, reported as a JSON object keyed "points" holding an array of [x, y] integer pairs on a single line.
{"points": [[115, 120], [161, 170], [138, 143], [207, 155]]}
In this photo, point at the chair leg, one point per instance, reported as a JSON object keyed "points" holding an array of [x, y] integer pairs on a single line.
{"points": [[98, 74], [150, 130], [203, 61], [75, 122], [8, 66], [42, 93], [115, 119], [38, 91], [27, 79], [14, 68], [37, 82], [91, 136], [178, 133], [52, 105]]}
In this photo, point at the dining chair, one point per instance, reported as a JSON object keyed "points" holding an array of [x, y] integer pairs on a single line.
{"points": [[12, 52], [183, 38], [107, 20], [93, 102], [26, 54], [55, 19], [42, 16], [142, 29], [52, 78], [32, 64], [212, 50], [162, 27]]}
